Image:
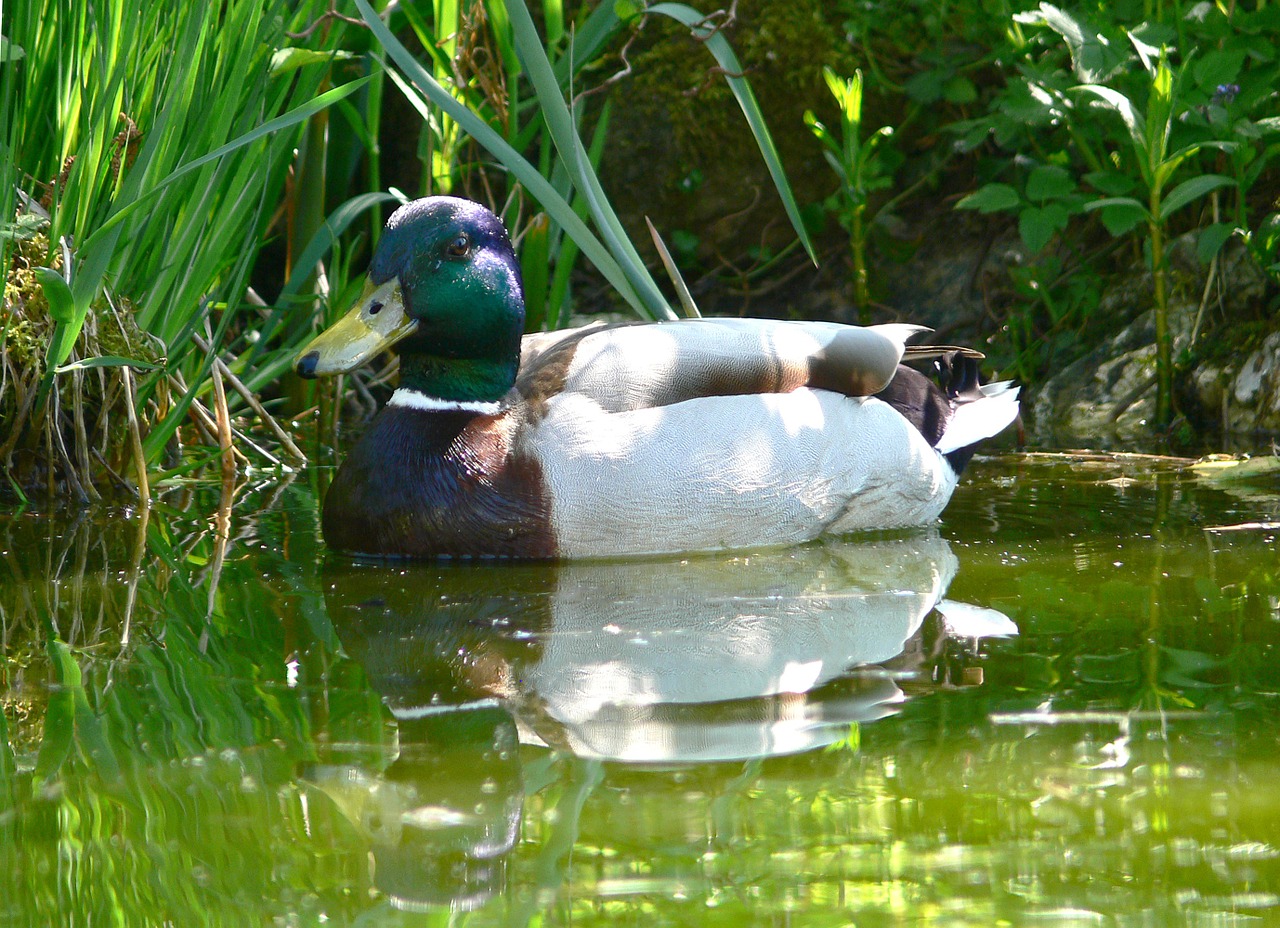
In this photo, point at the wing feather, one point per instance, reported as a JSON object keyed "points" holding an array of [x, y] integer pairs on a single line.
{"points": [[631, 367]]}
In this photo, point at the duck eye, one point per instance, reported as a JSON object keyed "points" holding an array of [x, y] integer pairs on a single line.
{"points": [[460, 246], [375, 307]]}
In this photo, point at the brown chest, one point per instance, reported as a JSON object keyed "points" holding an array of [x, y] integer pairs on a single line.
{"points": [[439, 484]]}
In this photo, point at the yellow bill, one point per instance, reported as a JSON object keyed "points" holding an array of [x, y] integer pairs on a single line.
{"points": [[374, 324]]}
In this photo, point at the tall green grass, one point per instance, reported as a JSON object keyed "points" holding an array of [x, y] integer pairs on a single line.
{"points": [[149, 153], [564, 182], [158, 138]]}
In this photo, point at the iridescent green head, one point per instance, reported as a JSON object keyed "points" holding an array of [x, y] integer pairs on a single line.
{"points": [[444, 288]]}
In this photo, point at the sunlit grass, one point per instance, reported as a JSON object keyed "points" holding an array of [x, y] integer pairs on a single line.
{"points": [[152, 150]]}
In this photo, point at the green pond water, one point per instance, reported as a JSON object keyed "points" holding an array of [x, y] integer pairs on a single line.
{"points": [[1059, 708]]}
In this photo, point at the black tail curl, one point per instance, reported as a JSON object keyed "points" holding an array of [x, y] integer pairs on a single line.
{"points": [[927, 402]]}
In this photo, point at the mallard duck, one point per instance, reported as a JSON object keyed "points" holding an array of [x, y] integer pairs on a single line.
{"points": [[632, 439]]}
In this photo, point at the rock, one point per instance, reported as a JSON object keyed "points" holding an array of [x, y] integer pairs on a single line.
{"points": [[1256, 390], [1257, 371], [1109, 395]]}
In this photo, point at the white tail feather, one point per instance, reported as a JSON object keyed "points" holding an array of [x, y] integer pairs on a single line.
{"points": [[899, 332], [972, 422]]}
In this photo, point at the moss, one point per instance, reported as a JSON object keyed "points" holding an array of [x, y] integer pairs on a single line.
{"points": [[91, 404], [23, 314], [680, 149]]}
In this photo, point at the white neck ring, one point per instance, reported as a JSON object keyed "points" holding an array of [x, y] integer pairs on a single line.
{"points": [[412, 399]]}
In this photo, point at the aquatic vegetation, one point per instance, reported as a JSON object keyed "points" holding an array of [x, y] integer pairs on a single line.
{"points": [[150, 150], [167, 216], [90, 427], [228, 237]]}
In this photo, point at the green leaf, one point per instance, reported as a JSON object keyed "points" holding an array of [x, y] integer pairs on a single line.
{"points": [[535, 266], [1147, 53], [719, 46], [289, 59], [976, 135], [1169, 166], [847, 93], [1038, 224], [1093, 56], [24, 227], [991, 198], [1159, 112], [8, 769], [1133, 120], [92, 737], [296, 115], [59, 713], [332, 227], [626, 9], [1211, 240], [62, 306], [1266, 237], [428, 89], [1219, 66], [1027, 104], [1049, 182], [1122, 217], [1108, 202], [573, 155], [926, 87], [68, 315], [589, 39], [960, 90], [108, 360], [9, 51], [1112, 183], [1191, 190]]}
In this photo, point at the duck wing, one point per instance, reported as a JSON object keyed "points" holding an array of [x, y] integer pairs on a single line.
{"points": [[628, 367]]}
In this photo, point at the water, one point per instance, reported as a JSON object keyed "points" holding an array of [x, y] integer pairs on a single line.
{"points": [[1058, 709]]}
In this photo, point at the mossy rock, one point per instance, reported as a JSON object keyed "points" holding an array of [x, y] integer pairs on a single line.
{"points": [[680, 151], [85, 410]]}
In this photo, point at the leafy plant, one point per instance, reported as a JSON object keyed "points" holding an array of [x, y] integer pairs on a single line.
{"points": [[1150, 134], [1045, 205], [861, 169], [472, 52], [1188, 134]]}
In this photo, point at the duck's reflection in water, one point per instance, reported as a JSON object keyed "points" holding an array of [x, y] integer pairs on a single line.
{"points": [[704, 660]]}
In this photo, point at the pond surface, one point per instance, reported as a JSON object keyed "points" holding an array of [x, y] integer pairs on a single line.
{"points": [[1058, 708]]}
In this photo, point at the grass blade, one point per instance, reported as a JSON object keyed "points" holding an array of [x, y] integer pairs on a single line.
{"points": [[297, 115], [719, 46], [484, 135], [565, 136]]}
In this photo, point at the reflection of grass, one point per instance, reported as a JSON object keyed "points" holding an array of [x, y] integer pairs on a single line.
{"points": [[955, 811], [156, 773]]}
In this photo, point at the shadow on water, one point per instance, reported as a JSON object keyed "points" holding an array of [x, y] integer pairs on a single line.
{"points": [[1061, 707]]}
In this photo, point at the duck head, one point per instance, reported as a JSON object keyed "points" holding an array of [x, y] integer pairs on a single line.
{"points": [[444, 289]]}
